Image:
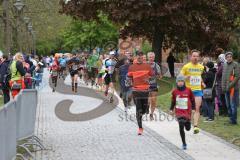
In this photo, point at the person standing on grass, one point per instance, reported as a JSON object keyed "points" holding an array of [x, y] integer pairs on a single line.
{"points": [[140, 74], [153, 83], [223, 111], [4, 75], [230, 87], [183, 103], [210, 81], [193, 75], [204, 108], [171, 60]]}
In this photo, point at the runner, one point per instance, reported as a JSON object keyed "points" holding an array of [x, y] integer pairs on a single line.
{"points": [[153, 83], [63, 66], [85, 68], [92, 67], [183, 103], [82, 66], [193, 72], [74, 66], [54, 75], [109, 77], [140, 73], [101, 71], [124, 84]]}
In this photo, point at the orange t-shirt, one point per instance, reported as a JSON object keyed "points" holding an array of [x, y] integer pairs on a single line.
{"points": [[140, 74]]}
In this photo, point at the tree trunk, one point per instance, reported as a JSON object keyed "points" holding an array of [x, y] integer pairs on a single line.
{"points": [[158, 38], [6, 26]]}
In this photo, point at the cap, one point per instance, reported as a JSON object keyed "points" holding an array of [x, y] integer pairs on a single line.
{"points": [[180, 78], [221, 58], [228, 53]]}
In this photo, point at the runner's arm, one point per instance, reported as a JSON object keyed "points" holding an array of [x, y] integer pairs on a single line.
{"points": [[173, 103]]}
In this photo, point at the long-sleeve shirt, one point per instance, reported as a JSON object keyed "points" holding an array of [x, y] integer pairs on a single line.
{"points": [[183, 101], [228, 70]]}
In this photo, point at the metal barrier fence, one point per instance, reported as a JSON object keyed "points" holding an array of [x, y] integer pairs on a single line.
{"points": [[17, 122]]}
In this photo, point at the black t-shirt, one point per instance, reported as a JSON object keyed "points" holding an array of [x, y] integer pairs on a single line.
{"points": [[74, 62], [20, 68]]}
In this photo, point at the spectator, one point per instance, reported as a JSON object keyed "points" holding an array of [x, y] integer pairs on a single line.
{"points": [[4, 78], [17, 74], [171, 60], [230, 86], [204, 109], [220, 95], [209, 81]]}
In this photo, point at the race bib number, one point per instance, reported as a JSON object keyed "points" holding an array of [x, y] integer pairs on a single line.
{"points": [[195, 80], [182, 103]]}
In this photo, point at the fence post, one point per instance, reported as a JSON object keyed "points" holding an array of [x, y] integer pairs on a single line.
{"points": [[3, 125], [11, 130]]}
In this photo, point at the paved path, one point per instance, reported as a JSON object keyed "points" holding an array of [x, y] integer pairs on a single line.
{"points": [[107, 137], [203, 146]]}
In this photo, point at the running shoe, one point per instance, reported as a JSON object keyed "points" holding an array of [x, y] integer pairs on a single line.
{"points": [[140, 131], [184, 146], [196, 130]]}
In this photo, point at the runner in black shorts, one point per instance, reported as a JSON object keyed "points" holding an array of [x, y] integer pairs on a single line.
{"points": [[74, 66], [109, 77]]}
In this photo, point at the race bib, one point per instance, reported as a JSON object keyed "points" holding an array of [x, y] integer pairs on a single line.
{"points": [[54, 73], [195, 80], [75, 67], [182, 103]]}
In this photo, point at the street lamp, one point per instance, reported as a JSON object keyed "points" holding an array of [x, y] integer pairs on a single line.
{"points": [[34, 41], [26, 20], [19, 5], [27, 34]]}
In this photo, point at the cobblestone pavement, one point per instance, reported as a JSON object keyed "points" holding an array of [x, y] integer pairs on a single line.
{"points": [[110, 136]]}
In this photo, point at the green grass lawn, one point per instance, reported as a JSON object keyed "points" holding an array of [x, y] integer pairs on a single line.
{"points": [[219, 127], [1, 102]]}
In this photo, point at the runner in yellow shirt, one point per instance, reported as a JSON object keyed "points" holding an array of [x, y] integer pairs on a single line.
{"points": [[193, 74]]}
